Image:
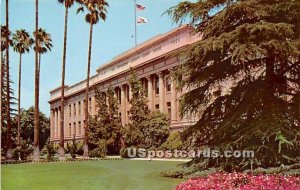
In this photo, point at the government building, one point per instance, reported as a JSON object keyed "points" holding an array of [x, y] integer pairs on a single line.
{"points": [[152, 61]]}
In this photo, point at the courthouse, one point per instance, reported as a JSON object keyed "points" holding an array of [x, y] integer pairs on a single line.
{"points": [[152, 60]]}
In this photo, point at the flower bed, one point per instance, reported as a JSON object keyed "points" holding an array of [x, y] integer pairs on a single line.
{"points": [[241, 181]]}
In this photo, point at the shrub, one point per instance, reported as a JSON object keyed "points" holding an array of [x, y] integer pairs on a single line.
{"points": [[124, 152], [241, 181], [79, 148], [100, 151], [72, 148], [23, 150], [50, 150], [173, 142]]}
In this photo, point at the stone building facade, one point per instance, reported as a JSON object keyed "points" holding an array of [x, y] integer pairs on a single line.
{"points": [[152, 60]]}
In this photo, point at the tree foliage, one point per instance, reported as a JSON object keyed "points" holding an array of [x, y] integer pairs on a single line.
{"points": [[146, 129], [106, 125], [244, 77]]}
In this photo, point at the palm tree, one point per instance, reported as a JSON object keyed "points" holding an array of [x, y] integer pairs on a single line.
{"points": [[36, 152], [22, 42], [96, 11], [67, 4], [43, 44]]}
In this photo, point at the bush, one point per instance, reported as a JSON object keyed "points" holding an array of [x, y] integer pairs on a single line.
{"points": [[241, 181], [50, 150], [72, 149], [23, 150], [100, 151], [123, 152], [173, 142], [79, 148]]}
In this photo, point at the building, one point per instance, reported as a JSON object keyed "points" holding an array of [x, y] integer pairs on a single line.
{"points": [[152, 61]]}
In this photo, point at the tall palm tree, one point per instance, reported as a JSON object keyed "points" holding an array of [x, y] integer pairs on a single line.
{"points": [[67, 4], [22, 42], [43, 46], [97, 10], [36, 151]]}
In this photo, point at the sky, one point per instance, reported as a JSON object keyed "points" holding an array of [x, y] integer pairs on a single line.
{"points": [[110, 39]]}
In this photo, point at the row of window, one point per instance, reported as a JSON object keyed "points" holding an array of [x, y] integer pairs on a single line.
{"points": [[79, 108], [75, 131]]}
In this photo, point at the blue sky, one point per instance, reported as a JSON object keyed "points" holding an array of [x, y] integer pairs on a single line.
{"points": [[110, 39]]}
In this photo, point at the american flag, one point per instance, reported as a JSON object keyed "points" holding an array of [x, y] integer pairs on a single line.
{"points": [[141, 20], [140, 7]]}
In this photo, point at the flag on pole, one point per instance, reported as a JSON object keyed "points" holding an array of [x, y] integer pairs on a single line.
{"points": [[140, 7], [141, 20]]}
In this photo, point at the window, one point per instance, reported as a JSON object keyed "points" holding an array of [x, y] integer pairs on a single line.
{"points": [[168, 81], [70, 111], [79, 127], [156, 85], [169, 109], [79, 108], [70, 129], [157, 106], [74, 128], [74, 107], [90, 104]]}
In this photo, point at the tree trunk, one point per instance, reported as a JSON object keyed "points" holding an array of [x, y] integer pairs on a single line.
{"points": [[36, 93], [19, 98], [1, 81], [8, 153], [62, 148], [86, 110]]}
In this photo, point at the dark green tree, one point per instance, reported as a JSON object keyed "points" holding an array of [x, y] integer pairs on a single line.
{"points": [[106, 125], [156, 129], [27, 126], [12, 103], [138, 113], [244, 76], [146, 129]]}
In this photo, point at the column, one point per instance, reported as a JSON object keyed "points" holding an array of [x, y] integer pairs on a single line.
{"points": [[161, 92], [58, 123], [55, 123], [66, 120], [130, 92], [127, 103], [82, 118], [123, 105], [51, 123], [174, 109], [150, 93]]}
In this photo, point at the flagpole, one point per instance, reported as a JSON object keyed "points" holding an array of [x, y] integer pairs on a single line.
{"points": [[135, 29]]}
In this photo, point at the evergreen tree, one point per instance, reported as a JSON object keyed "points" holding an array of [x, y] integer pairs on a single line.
{"points": [[244, 77], [146, 129], [106, 125], [4, 108], [133, 132]]}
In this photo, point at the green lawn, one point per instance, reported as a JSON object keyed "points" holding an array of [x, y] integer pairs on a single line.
{"points": [[100, 175]]}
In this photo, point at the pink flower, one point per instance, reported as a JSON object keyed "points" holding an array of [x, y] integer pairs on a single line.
{"points": [[241, 181]]}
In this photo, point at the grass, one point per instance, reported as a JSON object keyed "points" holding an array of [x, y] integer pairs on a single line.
{"points": [[105, 174]]}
